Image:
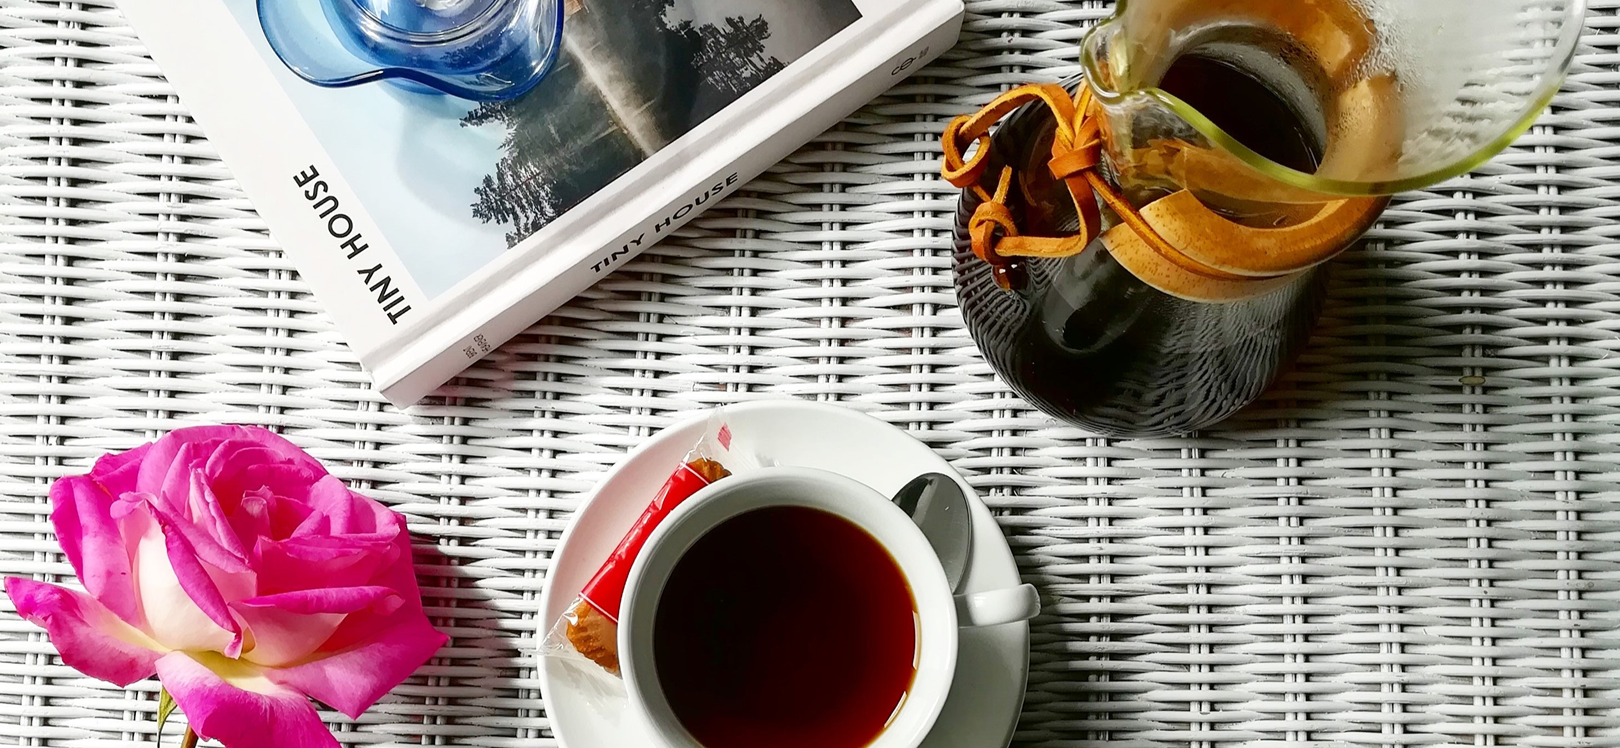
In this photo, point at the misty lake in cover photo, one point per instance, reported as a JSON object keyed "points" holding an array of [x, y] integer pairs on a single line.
{"points": [[634, 75]]}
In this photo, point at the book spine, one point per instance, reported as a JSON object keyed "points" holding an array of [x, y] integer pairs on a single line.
{"points": [[931, 32]]}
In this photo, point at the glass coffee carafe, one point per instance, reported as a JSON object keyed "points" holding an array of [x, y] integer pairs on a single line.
{"points": [[1141, 250]]}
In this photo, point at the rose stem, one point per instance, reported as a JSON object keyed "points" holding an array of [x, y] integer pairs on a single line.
{"points": [[190, 739]]}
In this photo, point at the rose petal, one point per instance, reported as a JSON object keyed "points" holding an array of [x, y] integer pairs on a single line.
{"points": [[206, 440], [399, 576], [198, 539], [247, 467], [352, 680], [287, 516], [264, 438], [94, 543], [235, 703], [199, 585], [165, 454], [174, 495], [118, 473], [90, 638], [283, 487], [307, 563], [335, 510], [288, 627], [250, 522], [184, 607], [371, 652], [336, 600], [279, 480], [209, 517]]}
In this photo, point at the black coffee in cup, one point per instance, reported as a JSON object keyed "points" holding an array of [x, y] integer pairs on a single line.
{"points": [[786, 627]]}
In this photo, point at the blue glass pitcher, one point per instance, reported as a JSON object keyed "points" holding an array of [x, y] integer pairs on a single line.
{"points": [[482, 50]]}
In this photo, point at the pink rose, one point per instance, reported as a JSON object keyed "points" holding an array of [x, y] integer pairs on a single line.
{"points": [[228, 562]]}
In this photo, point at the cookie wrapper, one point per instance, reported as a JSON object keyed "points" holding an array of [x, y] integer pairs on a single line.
{"points": [[588, 628]]}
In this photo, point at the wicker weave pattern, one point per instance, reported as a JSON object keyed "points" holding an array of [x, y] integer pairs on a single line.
{"points": [[1414, 540]]}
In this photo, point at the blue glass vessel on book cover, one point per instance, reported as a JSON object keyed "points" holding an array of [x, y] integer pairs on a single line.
{"points": [[451, 182], [481, 50]]}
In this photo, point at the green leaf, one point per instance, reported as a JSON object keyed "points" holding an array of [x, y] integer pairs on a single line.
{"points": [[165, 708]]}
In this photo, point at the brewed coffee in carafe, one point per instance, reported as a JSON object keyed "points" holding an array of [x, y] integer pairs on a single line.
{"points": [[1141, 251]]}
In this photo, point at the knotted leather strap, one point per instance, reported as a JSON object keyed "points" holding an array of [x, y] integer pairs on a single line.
{"points": [[1076, 154], [1265, 254]]}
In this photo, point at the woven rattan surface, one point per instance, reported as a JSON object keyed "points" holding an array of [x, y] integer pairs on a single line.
{"points": [[1414, 540]]}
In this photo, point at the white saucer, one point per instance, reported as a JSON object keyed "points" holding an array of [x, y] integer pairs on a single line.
{"points": [[993, 663]]}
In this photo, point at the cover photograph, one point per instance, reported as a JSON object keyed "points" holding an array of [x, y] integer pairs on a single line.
{"points": [[453, 183], [433, 227]]}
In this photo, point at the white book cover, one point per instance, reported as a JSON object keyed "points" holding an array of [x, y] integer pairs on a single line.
{"points": [[434, 228]]}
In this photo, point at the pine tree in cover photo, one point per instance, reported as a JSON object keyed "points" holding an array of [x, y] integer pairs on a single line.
{"points": [[633, 76]]}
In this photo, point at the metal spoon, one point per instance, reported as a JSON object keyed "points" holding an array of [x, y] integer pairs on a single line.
{"points": [[936, 503]]}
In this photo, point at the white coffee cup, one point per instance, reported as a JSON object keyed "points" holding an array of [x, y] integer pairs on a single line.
{"points": [[939, 614]]}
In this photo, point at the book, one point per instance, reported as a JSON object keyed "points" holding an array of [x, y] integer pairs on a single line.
{"points": [[433, 228]]}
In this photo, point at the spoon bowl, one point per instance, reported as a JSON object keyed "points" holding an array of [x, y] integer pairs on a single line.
{"points": [[938, 507]]}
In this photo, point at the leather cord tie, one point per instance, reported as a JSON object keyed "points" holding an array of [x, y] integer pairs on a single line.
{"points": [[1076, 154]]}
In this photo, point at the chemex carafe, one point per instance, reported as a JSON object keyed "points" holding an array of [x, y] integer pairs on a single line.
{"points": [[1142, 250]]}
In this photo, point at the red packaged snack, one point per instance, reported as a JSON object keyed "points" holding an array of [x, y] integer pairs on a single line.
{"points": [[590, 627]]}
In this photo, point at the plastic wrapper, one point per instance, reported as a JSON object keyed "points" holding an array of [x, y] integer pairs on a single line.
{"points": [[587, 633]]}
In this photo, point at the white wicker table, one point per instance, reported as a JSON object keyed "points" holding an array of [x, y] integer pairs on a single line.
{"points": [[1415, 539]]}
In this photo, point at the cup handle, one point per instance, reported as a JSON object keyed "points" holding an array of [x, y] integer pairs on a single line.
{"points": [[997, 607]]}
